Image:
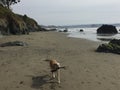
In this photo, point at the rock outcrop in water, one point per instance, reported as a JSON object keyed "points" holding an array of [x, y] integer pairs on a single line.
{"points": [[107, 29], [112, 47]]}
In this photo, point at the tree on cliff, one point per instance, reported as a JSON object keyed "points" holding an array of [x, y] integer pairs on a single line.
{"points": [[8, 3]]}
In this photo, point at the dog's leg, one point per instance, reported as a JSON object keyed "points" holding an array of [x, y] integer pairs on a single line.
{"points": [[58, 76], [53, 75]]}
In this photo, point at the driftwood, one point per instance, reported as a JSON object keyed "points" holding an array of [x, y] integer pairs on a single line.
{"points": [[14, 43], [58, 68]]}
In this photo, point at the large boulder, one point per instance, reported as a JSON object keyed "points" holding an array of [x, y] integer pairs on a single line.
{"points": [[112, 47], [107, 29]]}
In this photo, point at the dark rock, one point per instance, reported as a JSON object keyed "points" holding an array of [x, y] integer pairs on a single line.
{"points": [[81, 30], [104, 48], [14, 43], [60, 30], [43, 29], [113, 47], [107, 29], [66, 30]]}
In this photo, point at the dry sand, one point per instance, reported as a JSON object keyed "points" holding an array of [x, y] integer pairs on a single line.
{"points": [[24, 68]]}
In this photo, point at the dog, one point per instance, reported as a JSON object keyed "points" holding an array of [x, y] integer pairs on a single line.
{"points": [[55, 69]]}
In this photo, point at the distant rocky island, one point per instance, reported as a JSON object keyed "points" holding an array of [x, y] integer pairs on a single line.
{"points": [[11, 23]]}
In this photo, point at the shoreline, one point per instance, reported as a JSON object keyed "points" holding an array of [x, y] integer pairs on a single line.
{"points": [[24, 68]]}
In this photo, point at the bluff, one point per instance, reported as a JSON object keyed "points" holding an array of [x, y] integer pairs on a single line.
{"points": [[11, 23]]}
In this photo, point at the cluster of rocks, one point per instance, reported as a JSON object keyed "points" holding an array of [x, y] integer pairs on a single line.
{"points": [[112, 47]]}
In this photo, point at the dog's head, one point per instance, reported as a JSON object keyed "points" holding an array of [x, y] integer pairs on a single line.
{"points": [[54, 64]]}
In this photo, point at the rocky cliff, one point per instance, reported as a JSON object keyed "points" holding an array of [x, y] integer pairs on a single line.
{"points": [[11, 23]]}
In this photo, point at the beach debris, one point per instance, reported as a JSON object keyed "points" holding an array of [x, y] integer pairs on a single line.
{"points": [[21, 82], [107, 29], [112, 47], [14, 43]]}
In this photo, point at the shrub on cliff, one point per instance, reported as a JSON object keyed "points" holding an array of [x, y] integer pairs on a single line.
{"points": [[8, 3]]}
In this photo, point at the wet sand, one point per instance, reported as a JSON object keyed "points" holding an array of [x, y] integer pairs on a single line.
{"points": [[24, 68]]}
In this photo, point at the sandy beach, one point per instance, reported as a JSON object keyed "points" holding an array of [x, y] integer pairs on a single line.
{"points": [[24, 68]]}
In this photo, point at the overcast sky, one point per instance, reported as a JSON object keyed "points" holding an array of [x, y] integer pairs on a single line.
{"points": [[70, 12]]}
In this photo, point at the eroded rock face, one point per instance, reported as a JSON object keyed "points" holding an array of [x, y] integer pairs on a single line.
{"points": [[16, 25], [112, 47], [3, 26], [107, 29]]}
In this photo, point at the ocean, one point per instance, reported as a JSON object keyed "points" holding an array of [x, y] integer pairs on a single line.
{"points": [[91, 34]]}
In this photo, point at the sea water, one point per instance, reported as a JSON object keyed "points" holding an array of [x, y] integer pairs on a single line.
{"points": [[91, 34]]}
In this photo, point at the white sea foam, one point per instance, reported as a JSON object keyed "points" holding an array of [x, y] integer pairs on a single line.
{"points": [[91, 34]]}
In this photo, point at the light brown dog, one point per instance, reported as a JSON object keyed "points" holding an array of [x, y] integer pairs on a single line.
{"points": [[55, 69]]}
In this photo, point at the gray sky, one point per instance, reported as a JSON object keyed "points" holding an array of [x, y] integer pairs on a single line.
{"points": [[70, 12]]}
